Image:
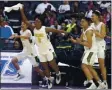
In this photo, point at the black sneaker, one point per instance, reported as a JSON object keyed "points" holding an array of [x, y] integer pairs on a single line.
{"points": [[49, 84], [44, 83]]}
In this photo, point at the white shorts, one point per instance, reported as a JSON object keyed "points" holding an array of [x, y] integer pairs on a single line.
{"points": [[49, 56], [101, 50], [88, 58], [31, 58]]}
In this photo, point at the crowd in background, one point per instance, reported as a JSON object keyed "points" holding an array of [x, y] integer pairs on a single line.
{"points": [[61, 15]]}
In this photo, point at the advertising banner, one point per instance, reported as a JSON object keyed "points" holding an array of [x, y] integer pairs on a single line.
{"points": [[8, 71]]}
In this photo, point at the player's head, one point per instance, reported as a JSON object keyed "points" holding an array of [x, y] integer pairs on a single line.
{"points": [[85, 22], [24, 26], [38, 23], [96, 15]]}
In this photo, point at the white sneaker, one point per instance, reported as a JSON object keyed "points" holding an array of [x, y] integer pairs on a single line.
{"points": [[58, 78], [19, 76], [106, 85], [93, 86], [103, 86], [85, 82], [50, 82]]}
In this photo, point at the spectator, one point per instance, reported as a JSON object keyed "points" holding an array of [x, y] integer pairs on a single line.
{"points": [[2, 13], [83, 6], [88, 14], [56, 26], [6, 30], [42, 7], [71, 26], [16, 45], [49, 19], [75, 8], [63, 26], [64, 8]]}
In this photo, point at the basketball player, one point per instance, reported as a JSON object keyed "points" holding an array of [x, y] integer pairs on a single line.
{"points": [[28, 52], [45, 47], [88, 40], [100, 31]]}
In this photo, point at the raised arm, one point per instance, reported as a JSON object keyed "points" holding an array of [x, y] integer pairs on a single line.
{"points": [[25, 20], [55, 30]]}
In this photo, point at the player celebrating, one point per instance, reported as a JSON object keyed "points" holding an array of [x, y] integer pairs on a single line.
{"points": [[100, 31], [45, 47], [88, 40], [28, 51]]}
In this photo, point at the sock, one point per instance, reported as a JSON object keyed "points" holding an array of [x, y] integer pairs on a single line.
{"points": [[49, 78], [45, 78], [105, 81], [58, 73], [90, 81], [99, 82], [19, 71]]}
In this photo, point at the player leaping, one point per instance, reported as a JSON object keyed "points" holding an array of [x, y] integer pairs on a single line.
{"points": [[45, 47]]}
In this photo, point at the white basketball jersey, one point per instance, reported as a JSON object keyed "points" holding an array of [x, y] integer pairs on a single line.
{"points": [[98, 28], [27, 45], [42, 40], [94, 45]]}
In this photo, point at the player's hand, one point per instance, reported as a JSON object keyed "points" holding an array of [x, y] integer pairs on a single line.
{"points": [[21, 6], [78, 40], [16, 36], [12, 37], [72, 39]]}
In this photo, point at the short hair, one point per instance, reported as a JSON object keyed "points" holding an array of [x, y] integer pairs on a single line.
{"points": [[87, 19]]}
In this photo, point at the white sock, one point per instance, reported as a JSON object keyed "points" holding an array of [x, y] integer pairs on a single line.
{"points": [[45, 78], [49, 78], [58, 73], [19, 71], [105, 81], [90, 81], [99, 82]]}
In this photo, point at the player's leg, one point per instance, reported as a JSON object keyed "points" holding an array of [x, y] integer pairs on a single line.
{"points": [[35, 62], [101, 60], [14, 61], [35, 65], [101, 57], [44, 64], [54, 66], [85, 61], [95, 76]]}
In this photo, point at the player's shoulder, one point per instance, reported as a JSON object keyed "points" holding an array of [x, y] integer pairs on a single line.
{"points": [[89, 30], [102, 24], [28, 31]]}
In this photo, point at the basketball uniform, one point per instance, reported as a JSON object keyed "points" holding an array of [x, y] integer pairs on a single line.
{"points": [[89, 55], [101, 44], [44, 45], [29, 50]]}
